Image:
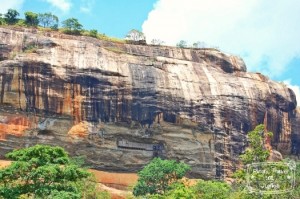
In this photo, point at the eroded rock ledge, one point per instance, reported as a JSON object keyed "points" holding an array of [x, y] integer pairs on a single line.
{"points": [[122, 104]]}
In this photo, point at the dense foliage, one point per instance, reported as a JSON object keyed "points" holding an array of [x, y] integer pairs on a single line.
{"points": [[182, 44], [72, 26], [152, 184], [158, 175], [255, 157], [181, 189], [43, 172], [177, 190], [256, 151], [212, 189], [31, 18], [48, 20], [11, 16]]}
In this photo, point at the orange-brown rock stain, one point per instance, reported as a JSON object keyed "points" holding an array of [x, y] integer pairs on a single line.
{"points": [[117, 180], [79, 130], [77, 104], [15, 125], [67, 100]]}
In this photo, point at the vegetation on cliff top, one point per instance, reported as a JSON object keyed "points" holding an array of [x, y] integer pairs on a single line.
{"points": [[50, 22], [158, 176]]}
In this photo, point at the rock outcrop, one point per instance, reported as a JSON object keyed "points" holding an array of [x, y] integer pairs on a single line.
{"points": [[296, 133], [120, 104]]}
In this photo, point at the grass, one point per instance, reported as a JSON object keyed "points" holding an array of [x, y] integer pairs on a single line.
{"points": [[88, 33], [13, 54], [112, 39], [32, 48], [115, 50]]}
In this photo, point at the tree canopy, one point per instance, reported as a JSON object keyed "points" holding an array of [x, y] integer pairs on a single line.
{"points": [[256, 151], [158, 175], [182, 44], [43, 172], [199, 44], [212, 189], [135, 35], [11, 16], [72, 26], [48, 20], [31, 18], [93, 33]]}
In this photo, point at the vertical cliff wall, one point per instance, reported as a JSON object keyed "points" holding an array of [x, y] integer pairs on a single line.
{"points": [[121, 105]]}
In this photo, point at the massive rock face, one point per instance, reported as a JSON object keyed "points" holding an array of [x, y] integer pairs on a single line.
{"points": [[120, 105], [296, 132]]}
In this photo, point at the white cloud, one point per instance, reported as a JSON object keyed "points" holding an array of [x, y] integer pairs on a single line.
{"points": [[265, 33], [295, 88], [63, 5], [13, 4], [86, 6]]}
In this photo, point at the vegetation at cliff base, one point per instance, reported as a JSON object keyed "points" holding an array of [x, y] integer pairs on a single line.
{"points": [[158, 175], [256, 151], [255, 159], [162, 179], [45, 172]]}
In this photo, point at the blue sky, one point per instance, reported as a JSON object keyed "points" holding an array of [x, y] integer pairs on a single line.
{"points": [[266, 34], [112, 17]]}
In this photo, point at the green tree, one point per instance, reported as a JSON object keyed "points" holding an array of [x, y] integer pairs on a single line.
{"points": [[296, 191], [199, 44], [72, 26], [212, 189], [179, 191], [48, 20], [41, 172], [31, 18], [181, 44], [91, 190], [158, 175], [11, 16], [93, 33], [256, 151]]}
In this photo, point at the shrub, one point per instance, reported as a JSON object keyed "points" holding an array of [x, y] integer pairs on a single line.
{"points": [[158, 175], [212, 189], [41, 171]]}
